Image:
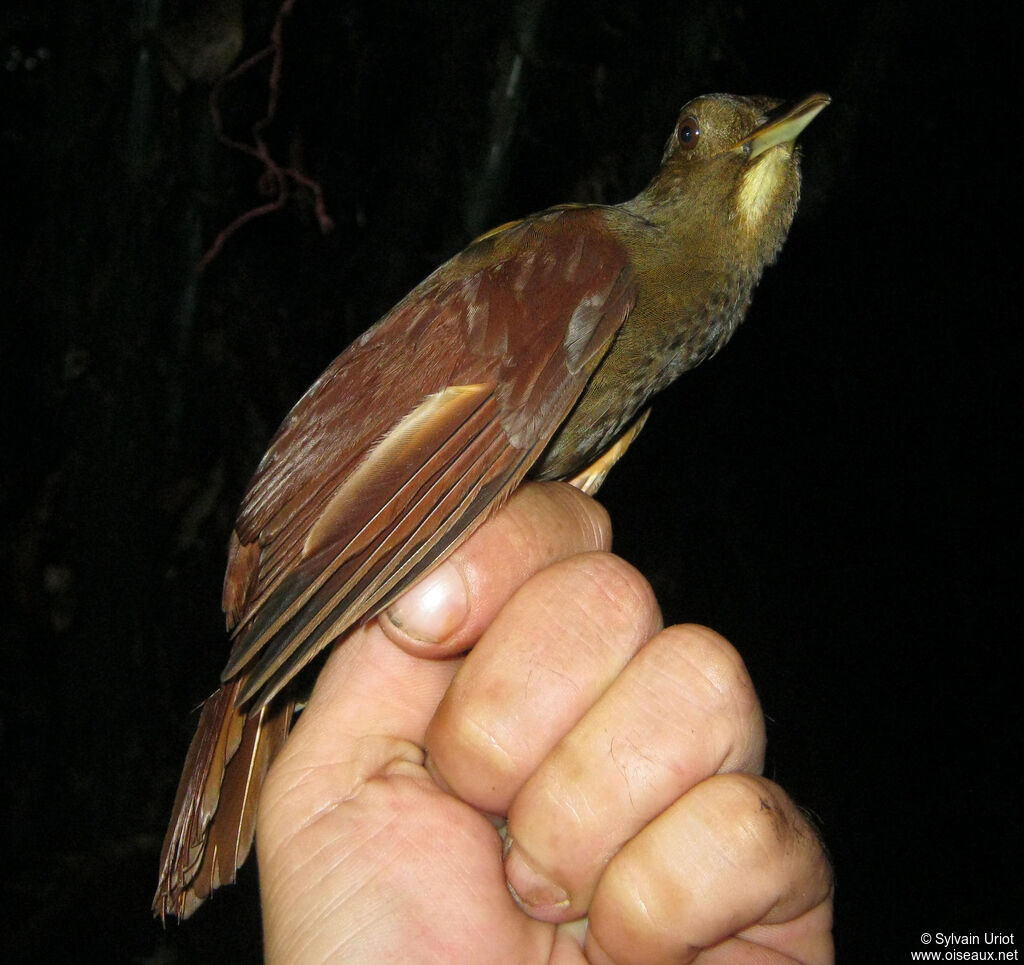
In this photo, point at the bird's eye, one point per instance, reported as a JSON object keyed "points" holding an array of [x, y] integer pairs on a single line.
{"points": [[688, 132]]}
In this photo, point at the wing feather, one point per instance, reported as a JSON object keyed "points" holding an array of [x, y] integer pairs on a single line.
{"points": [[489, 352], [408, 441]]}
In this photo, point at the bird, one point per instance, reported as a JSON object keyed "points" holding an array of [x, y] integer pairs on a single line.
{"points": [[533, 353]]}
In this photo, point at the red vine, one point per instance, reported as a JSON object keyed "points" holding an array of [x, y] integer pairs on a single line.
{"points": [[275, 178]]}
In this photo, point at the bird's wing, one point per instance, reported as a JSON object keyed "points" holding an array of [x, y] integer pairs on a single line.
{"points": [[415, 434], [404, 445]]}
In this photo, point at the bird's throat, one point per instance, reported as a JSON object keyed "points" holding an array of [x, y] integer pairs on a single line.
{"points": [[759, 185]]}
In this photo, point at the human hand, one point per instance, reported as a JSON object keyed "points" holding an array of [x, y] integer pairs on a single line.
{"points": [[624, 755]]}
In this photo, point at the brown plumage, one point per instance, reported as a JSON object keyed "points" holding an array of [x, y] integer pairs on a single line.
{"points": [[533, 351]]}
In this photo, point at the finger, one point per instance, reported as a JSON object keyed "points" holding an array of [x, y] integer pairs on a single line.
{"points": [[372, 700], [367, 715], [449, 608], [350, 817], [552, 651], [732, 872], [683, 709], [350, 778]]}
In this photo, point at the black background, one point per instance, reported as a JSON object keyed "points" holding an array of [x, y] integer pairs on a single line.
{"points": [[836, 492]]}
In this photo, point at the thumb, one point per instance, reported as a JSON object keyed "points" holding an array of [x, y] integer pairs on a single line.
{"points": [[348, 815], [369, 710]]}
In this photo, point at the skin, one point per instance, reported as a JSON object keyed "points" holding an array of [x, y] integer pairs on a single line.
{"points": [[626, 757]]}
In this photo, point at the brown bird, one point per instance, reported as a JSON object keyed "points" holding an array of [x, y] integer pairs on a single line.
{"points": [[532, 352]]}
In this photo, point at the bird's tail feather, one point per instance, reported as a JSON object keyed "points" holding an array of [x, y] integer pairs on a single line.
{"points": [[214, 817]]}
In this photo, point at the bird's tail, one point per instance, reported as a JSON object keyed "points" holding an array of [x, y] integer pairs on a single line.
{"points": [[214, 817]]}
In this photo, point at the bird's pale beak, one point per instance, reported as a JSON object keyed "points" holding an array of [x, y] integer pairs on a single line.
{"points": [[784, 128]]}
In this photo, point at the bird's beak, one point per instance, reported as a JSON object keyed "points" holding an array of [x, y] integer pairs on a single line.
{"points": [[785, 127]]}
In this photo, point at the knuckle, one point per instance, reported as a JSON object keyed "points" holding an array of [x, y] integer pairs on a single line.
{"points": [[586, 608], [592, 519], [697, 684], [476, 757], [555, 519], [594, 604], [621, 583], [754, 818], [584, 517], [716, 670], [480, 747]]}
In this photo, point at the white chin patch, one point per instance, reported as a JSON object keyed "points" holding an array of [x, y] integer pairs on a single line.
{"points": [[759, 184]]}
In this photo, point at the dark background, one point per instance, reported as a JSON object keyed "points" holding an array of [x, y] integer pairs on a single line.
{"points": [[835, 492]]}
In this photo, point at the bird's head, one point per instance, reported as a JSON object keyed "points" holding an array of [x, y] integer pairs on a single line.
{"points": [[731, 164]]}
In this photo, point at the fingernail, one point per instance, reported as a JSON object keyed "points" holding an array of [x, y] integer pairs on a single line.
{"points": [[434, 608], [533, 892]]}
